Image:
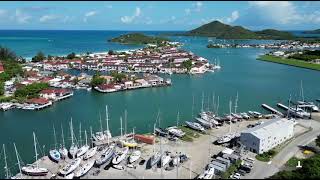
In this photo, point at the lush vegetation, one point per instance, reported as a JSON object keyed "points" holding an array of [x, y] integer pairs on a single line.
{"points": [[187, 64], [138, 38], [310, 170], [317, 31], [1, 88], [318, 141], [190, 134], [213, 46], [71, 55], [31, 90], [307, 55], [231, 170], [39, 57], [97, 80], [267, 156], [7, 54], [293, 162], [291, 62], [224, 31], [118, 77]]}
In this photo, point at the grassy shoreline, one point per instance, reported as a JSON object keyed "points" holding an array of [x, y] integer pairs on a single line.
{"points": [[290, 62]]}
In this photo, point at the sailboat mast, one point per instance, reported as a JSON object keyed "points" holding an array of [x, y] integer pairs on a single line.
{"points": [[154, 135], [18, 160], [107, 119], [121, 126], [302, 92], [213, 103], [55, 138], [71, 130], [192, 109], [236, 104], [230, 105], [125, 121], [35, 148], [178, 118], [217, 110], [5, 162], [80, 135], [101, 128], [91, 133], [63, 144], [86, 136], [202, 102]]}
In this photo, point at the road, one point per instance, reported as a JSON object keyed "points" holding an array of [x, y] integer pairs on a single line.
{"points": [[263, 170]]}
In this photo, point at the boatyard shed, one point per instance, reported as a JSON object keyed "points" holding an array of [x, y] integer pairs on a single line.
{"points": [[268, 135]]}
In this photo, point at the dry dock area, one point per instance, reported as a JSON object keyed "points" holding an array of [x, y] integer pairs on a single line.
{"points": [[198, 151]]}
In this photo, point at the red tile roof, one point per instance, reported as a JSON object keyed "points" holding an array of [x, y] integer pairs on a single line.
{"points": [[1, 67], [40, 101]]}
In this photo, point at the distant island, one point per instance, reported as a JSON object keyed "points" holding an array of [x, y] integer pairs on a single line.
{"points": [[224, 31], [317, 31], [139, 39]]}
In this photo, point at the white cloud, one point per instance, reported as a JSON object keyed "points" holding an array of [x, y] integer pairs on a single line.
{"points": [[196, 7], [234, 17], [47, 18], [130, 19], [187, 11], [89, 14], [109, 6], [22, 17]]}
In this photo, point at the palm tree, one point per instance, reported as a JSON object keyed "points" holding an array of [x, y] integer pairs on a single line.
{"points": [[7, 54]]}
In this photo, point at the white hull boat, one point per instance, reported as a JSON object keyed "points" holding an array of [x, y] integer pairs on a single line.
{"points": [[84, 169], [90, 153], [207, 174], [175, 131], [106, 156], [73, 151], [155, 159], [55, 155], [119, 167], [165, 160], [204, 123], [195, 126], [63, 152], [33, 170], [82, 150], [120, 156], [134, 156], [69, 168]]}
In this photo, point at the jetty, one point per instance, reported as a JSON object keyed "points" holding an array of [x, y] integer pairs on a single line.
{"points": [[272, 109]]}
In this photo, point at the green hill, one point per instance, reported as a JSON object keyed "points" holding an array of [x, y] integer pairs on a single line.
{"points": [[317, 31], [138, 38], [224, 31]]}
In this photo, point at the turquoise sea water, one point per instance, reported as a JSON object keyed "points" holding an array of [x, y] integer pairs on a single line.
{"points": [[256, 82]]}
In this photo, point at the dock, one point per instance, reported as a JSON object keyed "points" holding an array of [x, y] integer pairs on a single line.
{"points": [[282, 106], [272, 109]]}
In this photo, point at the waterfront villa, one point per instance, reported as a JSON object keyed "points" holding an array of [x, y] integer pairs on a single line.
{"points": [[56, 94], [36, 104]]}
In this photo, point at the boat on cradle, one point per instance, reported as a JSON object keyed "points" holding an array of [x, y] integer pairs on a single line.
{"points": [[309, 105], [237, 116], [90, 153], [204, 123], [63, 150], [73, 148], [120, 156], [119, 167], [34, 170], [176, 160], [84, 148], [165, 159], [54, 154], [135, 155], [207, 174], [176, 131], [69, 168], [161, 132], [195, 126], [155, 159], [69, 176], [224, 139], [245, 115], [84, 169], [255, 114], [106, 156]]}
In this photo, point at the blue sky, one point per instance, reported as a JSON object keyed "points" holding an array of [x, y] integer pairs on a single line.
{"points": [[152, 15]]}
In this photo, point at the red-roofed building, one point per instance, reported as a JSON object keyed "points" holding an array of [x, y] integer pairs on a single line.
{"points": [[38, 101], [56, 94], [1, 68]]}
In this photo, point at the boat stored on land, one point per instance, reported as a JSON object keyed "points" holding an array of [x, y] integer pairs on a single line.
{"points": [[84, 169], [106, 156], [135, 155], [155, 159], [176, 131], [69, 168], [204, 123], [195, 126], [120, 156]]}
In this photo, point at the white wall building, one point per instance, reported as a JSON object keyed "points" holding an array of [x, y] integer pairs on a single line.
{"points": [[268, 135]]}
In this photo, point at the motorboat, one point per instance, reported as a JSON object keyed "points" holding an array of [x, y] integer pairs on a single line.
{"points": [[224, 139], [106, 155], [120, 156], [155, 159], [176, 131], [207, 174], [90, 153], [55, 155], [204, 123], [119, 167], [195, 126], [257, 114], [84, 169], [161, 132], [165, 159], [309, 105], [245, 115], [237, 116], [69, 168], [134, 156]]}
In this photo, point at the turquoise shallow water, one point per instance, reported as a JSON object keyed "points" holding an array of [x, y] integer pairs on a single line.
{"points": [[256, 82]]}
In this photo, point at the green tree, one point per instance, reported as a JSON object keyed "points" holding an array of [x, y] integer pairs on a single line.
{"points": [[187, 64], [318, 141], [39, 57], [1, 88], [110, 52], [118, 77], [97, 80], [71, 56], [7, 54], [31, 90], [50, 57]]}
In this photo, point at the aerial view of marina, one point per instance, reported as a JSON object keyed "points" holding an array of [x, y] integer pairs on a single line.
{"points": [[128, 89]]}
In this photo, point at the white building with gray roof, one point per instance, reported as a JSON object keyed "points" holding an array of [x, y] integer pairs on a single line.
{"points": [[268, 135]]}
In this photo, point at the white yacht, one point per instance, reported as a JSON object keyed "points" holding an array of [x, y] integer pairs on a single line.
{"points": [[176, 131], [120, 156], [84, 169], [69, 168], [134, 156]]}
